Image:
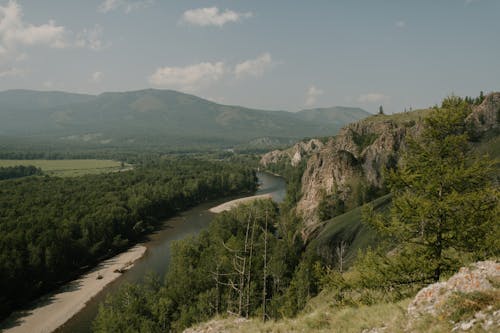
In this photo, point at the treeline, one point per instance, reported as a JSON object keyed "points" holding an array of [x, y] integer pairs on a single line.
{"points": [[251, 261], [19, 171], [247, 263], [52, 227]]}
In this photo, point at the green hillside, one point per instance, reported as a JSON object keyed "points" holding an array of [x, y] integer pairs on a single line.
{"points": [[155, 118], [349, 228]]}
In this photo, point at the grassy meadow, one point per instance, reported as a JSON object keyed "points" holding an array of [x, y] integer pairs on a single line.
{"points": [[69, 168]]}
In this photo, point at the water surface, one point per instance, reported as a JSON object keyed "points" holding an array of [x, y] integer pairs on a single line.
{"points": [[157, 257]]}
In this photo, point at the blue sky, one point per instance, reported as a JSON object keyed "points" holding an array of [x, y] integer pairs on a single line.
{"points": [[265, 54]]}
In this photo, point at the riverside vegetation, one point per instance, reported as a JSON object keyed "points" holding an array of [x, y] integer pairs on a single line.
{"points": [[52, 228], [441, 213]]}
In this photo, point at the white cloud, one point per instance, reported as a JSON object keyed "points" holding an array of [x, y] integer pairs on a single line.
{"points": [[194, 77], [12, 72], [401, 24], [126, 5], [190, 77], [373, 98], [48, 84], [253, 67], [468, 2], [97, 77], [15, 33], [90, 38], [211, 16], [312, 95]]}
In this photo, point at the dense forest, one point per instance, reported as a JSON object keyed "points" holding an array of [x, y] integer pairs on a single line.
{"points": [[18, 171], [248, 263], [251, 261], [51, 228]]}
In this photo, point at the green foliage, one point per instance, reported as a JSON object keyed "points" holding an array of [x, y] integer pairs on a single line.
{"points": [[443, 198], [304, 285], [364, 140], [68, 167], [219, 271], [18, 171], [153, 120], [462, 306], [349, 230], [360, 192], [51, 227]]}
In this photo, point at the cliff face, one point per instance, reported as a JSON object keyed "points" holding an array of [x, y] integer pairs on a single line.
{"points": [[357, 155], [486, 115], [354, 159], [293, 155]]}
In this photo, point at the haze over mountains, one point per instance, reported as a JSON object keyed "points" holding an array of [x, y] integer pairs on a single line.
{"points": [[157, 117]]}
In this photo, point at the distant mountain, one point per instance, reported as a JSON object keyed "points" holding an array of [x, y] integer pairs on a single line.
{"points": [[156, 117]]}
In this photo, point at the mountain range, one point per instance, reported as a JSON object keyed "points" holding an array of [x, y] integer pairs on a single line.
{"points": [[157, 117]]}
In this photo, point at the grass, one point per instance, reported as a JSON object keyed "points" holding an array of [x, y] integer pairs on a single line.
{"points": [[321, 315], [69, 168], [348, 227], [324, 318]]}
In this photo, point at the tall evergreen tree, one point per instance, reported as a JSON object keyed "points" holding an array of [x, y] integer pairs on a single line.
{"points": [[443, 197]]}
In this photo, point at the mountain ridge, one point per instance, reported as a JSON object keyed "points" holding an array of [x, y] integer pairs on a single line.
{"points": [[156, 117]]}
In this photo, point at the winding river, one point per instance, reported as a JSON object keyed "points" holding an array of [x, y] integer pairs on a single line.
{"points": [[157, 256]]}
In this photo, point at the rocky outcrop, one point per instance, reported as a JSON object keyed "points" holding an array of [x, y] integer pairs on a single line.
{"points": [[486, 115], [293, 155], [356, 155], [359, 153], [354, 159], [481, 277]]}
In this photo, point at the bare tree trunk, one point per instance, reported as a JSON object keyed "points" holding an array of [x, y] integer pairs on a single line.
{"points": [[265, 273], [249, 276], [340, 252]]}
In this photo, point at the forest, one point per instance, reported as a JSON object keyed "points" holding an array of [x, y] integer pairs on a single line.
{"points": [[18, 171], [252, 262], [53, 228]]}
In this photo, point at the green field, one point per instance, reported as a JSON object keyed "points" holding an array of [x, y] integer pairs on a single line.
{"points": [[70, 168]]}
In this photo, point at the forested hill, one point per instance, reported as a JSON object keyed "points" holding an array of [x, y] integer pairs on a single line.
{"points": [[156, 117]]}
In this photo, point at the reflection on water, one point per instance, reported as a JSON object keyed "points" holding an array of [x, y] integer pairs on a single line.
{"points": [[157, 256]]}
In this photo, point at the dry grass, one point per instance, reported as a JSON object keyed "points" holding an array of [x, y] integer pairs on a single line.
{"points": [[69, 168], [324, 318]]}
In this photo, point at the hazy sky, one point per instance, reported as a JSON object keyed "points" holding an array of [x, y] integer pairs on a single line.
{"points": [[264, 54]]}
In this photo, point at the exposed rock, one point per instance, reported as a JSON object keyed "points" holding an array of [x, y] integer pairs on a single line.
{"points": [[294, 154], [360, 151], [478, 277], [485, 116]]}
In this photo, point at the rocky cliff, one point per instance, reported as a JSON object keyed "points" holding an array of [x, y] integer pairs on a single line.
{"points": [[293, 155], [350, 164], [352, 161]]}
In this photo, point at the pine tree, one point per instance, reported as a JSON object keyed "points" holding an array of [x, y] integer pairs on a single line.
{"points": [[443, 197]]}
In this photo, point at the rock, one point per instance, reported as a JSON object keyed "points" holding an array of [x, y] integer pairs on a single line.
{"points": [[293, 155], [359, 152], [432, 299], [485, 116]]}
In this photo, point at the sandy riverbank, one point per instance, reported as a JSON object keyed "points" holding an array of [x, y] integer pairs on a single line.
{"points": [[233, 203], [55, 309]]}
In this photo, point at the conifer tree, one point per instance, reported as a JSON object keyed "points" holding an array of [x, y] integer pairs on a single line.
{"points": [[443, 197]]}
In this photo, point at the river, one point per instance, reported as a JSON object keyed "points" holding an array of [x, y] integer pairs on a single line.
{"points": [[157, 256]]}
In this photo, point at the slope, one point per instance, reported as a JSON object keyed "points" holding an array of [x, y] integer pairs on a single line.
{"points": [[155, 117]]}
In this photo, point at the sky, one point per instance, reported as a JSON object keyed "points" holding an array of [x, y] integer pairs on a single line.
{"points": [[279, 55]]}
